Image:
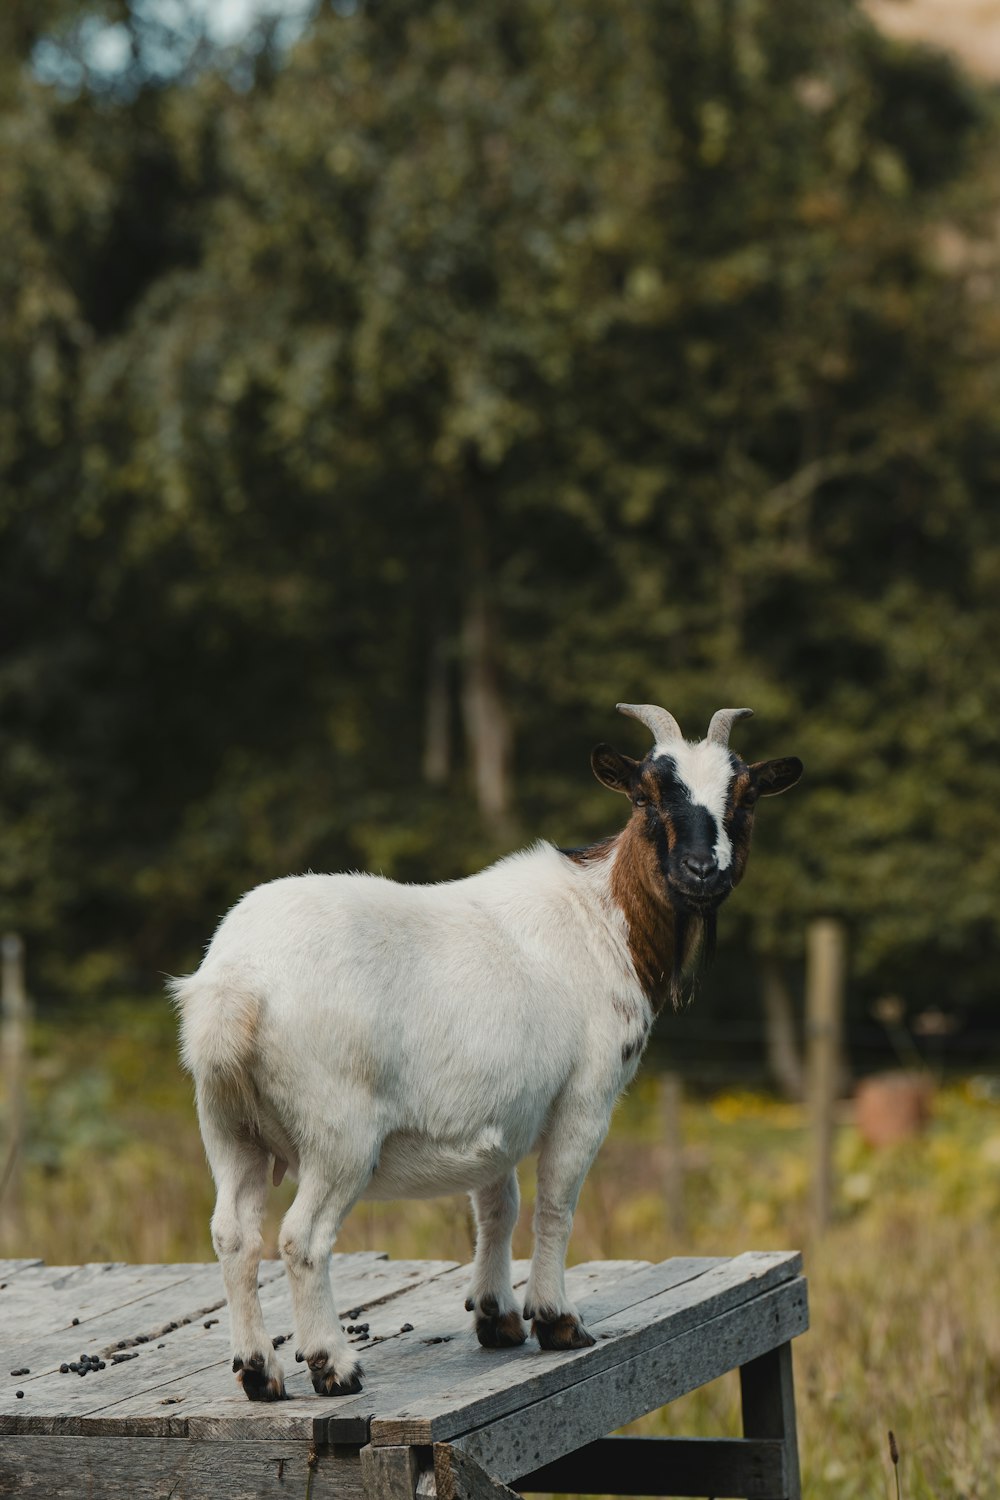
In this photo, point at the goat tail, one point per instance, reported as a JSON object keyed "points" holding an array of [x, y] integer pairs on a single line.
{"points": [[220, 1020]]}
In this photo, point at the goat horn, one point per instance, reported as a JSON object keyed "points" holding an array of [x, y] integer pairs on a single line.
{"points": [[664, 726], [722, 723]]}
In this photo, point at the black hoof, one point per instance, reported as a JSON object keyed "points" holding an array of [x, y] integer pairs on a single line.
{"points": [[496, 1330], [326, 1382], [257, 1385], [561, 1332]]}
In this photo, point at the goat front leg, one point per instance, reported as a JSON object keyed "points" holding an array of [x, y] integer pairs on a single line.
{"points": [[491, 1295], [571, 1143]]}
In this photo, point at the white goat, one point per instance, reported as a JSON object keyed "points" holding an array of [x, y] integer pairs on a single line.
{"points": [[383, 1040]]}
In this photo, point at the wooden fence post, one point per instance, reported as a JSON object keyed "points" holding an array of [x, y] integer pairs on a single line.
{"points": [[825, 974], [670, 1097], [14, 1051]]}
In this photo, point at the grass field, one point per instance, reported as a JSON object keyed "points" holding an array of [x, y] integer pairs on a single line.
{"points": [[904, 1289]]}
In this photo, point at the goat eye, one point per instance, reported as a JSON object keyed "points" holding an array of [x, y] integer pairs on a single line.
{"points": [[640, 801]]}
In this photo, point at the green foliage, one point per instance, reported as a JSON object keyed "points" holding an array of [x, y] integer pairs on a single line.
{"points": [[614, 354]]}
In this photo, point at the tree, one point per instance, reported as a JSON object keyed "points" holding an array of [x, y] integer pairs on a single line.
{"points": [[470, 371]]}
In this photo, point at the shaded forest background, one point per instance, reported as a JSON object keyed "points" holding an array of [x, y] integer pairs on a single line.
{"points": [[385, 397]]}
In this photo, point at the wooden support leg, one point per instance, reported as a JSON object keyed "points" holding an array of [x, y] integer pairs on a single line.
{"points": [[389, 1473], [459, 1477], [768, 1392]]}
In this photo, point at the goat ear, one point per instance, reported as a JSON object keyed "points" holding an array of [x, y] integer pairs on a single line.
{"points": [[612, 769], [773, 776]]}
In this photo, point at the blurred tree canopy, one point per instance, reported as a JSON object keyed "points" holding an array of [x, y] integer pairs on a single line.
{"points": [[381, 406]]}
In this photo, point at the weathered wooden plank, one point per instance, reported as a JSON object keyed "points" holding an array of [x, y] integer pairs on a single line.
{"points": [[130, 1309], [187, 1385], [538, 1434], [11, 1268], [49, 1297], [458, 1359], [767, 1388], [143, 1468], [517, 1377], [213, 1406], [748, 1469], [133, 1305], [145, 1394]]}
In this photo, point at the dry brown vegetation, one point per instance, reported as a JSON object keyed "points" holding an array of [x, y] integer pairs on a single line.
{"points": [[904, 1288]]}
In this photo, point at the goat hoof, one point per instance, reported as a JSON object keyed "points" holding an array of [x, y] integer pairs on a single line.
{"points": [[260, 1381], [494, 1329], [561, 1332], [326, 1381], [500, 1331]]}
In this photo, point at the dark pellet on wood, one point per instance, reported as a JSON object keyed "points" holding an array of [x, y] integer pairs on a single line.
{"points": [[75, 1321], [19, 1395], [64, 1369], [25, 1371], [354, 1313], [406, 1328]]}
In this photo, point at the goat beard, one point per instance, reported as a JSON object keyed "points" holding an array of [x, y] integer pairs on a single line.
{"points": [[694, 949]]}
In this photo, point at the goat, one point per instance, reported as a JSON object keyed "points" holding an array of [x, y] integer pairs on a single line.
{"points": [[382, 1040]]}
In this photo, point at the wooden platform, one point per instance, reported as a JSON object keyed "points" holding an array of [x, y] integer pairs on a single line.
{"points": [[439, 1416]]}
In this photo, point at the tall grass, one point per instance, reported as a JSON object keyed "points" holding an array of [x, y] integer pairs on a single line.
{"points": [[904, 1288]]}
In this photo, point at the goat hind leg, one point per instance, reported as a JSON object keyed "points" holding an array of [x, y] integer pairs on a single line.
{"points": [[491, 1295], [240, 1167], [308, 1231]]}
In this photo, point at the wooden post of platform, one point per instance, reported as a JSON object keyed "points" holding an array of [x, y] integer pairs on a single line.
{"points": [[670, 1098], [825, 974], [14, 1050]]}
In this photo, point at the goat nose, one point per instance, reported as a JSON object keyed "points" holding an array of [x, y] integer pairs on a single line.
{"points": [[701, 866]]}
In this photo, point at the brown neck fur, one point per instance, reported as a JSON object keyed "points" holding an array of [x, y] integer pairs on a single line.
{"points": [[637, 887]]}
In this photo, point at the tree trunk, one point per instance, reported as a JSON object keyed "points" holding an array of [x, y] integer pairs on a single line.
{"points": [[784, 1056], [486, 725], [487, 728], [437, 722]]}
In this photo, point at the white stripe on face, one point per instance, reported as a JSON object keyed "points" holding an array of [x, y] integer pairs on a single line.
{"points": [[706, 771]]}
